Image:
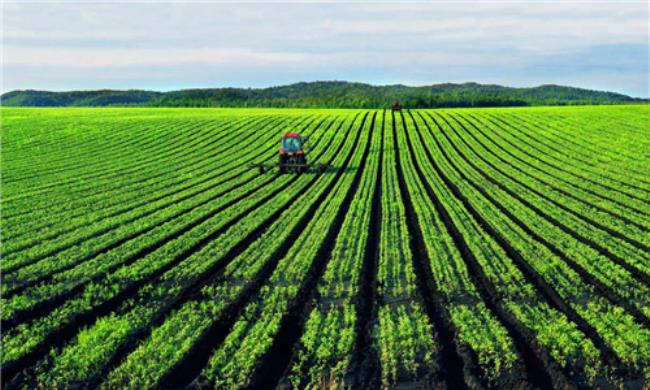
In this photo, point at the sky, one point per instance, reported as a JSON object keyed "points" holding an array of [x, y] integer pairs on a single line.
{"points": [[71, 45]]}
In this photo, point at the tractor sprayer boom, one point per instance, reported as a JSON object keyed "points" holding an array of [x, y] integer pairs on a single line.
{"points": [[292, 156]]}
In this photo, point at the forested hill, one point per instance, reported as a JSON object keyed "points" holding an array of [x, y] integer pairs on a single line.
{"points": [[104, 97], [338, 94]]}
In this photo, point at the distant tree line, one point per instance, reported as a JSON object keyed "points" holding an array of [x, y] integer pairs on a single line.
{"points": [[326, 94], [105, 97]]}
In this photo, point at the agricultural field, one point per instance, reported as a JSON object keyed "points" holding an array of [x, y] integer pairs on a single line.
{"points": [[457, 248]]}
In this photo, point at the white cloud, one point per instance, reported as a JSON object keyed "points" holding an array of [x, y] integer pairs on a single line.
{"points": [[437, 41], [117, 57]]}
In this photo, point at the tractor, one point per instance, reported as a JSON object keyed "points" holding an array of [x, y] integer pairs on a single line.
{"points": [[291, 156], [396, 106]]}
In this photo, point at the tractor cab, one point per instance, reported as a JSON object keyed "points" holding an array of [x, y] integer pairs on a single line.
{"points": [[291, 143], [292, 153]]}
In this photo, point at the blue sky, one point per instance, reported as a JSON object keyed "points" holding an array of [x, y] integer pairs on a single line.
{"points": [[174, 45]]}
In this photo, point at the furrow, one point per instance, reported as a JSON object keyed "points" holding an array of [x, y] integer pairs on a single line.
{"points": [[188, 367], [545, 288], [531, 361], [573, 184], [638, 273], [58, 337], [606, 187]]}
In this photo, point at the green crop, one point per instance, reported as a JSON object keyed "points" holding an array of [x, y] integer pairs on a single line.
{"points": [[495, 247]]}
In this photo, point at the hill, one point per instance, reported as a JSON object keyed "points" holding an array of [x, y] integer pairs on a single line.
{"points": [[338, 94], [104, 97]]}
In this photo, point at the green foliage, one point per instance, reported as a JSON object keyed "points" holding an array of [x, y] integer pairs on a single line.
{"points": [[332, 94], [99, 98], [135, 231]]}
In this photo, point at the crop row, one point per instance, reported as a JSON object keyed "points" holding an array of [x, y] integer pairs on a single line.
{"points": [[120, 282], [224, 293], [619, 278], [86, 232], [325, 355], [584, 148], [139, 201], [616, 330], [442, 248], [75, 192], [537, 160]]}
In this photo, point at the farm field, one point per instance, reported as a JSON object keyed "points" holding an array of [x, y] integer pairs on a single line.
{"points": [[466, 248]]}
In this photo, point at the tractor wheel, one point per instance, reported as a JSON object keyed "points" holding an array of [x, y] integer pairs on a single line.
{"points": [[283, 161]]}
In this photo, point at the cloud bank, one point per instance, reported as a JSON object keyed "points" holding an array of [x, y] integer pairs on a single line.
{"points": [[163, 46]]}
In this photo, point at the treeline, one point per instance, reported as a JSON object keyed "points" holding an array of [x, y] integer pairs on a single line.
{"points": [[326, 94], [104, 97]]}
